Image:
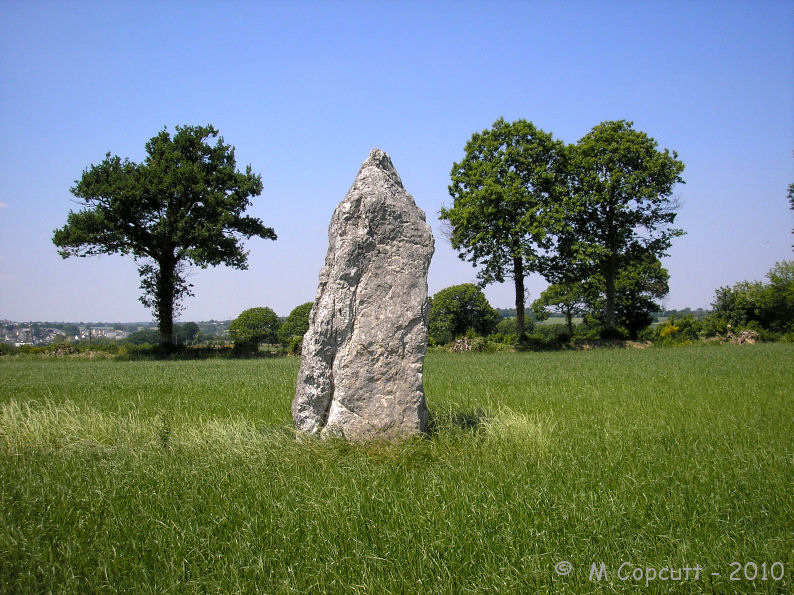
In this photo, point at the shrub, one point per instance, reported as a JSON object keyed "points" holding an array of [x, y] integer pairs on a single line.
{"points": [[296, 324], [295, 346], [546, 337], [458, 309], [143, 337], [616, 333], [252, 327], [505, 331], [8, 349], [770, 305], [679, 329]]}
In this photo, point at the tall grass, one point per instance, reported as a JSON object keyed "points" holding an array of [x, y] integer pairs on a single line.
{"points": [[185, 477]]}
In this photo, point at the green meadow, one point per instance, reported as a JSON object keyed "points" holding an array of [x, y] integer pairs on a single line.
{"points": [[185, 477]]}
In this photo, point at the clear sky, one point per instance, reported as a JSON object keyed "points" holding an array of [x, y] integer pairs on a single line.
{"points": [[304, 90]]}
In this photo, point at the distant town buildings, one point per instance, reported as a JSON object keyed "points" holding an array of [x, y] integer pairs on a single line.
{"points": [[45, 333], [103, 332], [19, 334]]}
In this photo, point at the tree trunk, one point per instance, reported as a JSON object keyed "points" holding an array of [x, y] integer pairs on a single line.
{"points": [[611, 263], [569, 319], [165, 301], [518, 277], [609, 309]]}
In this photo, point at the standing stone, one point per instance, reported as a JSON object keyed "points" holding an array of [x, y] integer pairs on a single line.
{"points": [[363, 355]]}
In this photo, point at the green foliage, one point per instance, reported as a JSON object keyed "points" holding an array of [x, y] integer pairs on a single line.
{"points": [[8, 349], [505, 332], [638, 285], [619, 213], [296, 324], [679, 329], [254, 326], [506, 326], [546, 337], [456, 310], [295, 345], [776, 311], [769, 305], [504, 210], [182, 206], [143, 336], [569, 299], [186, 332], [698, 313]]}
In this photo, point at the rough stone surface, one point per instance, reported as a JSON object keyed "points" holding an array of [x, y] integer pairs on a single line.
{"points": [[363, 355]]}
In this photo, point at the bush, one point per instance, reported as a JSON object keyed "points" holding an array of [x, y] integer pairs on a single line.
{"points": [[713, 325], [456, 310], [589, 329], [296, 324], [295, 346], [143, 337], [763, 333], [546, 337], [678, 329], [505, 331], [8, 349], [252, 327], [770, 305], [617, 333], [440, 334]]}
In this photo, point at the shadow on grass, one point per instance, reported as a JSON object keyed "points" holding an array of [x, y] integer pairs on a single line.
{"points": [[471, 420]]}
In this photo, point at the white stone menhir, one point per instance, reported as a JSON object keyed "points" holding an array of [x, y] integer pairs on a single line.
{"points": [[363, 355]]}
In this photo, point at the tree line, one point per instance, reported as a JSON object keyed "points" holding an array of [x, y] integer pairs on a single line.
{"points": [[593, 218], [765, 308]]}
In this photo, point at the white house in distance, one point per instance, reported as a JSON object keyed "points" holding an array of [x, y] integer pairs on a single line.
{"points": [[103, 332]]}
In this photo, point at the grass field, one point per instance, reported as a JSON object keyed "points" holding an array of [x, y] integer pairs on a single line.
{"points": [[176, 477]]}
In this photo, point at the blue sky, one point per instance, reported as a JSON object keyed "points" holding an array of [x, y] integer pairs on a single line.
{"points": [[304, 90]]}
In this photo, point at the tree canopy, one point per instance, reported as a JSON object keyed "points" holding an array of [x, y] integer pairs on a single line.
{"points": [[254, 326], [569, 299], [768, 305], [504, 214], [458, 309], [183, 205], [639, 285], [620, 208], [296, 324]]}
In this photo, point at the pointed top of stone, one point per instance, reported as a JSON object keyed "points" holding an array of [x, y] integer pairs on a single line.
{"points": [[380, 160]]}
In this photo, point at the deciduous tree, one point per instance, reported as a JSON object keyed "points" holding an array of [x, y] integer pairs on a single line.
{"points": [[569, 299], [621, 207], [503, 213], [254, 326], [296, 324], [182, 205], [639, 287], [459, 309]]}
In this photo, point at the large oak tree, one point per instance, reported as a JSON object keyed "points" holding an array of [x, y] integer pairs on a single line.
{"points": [[183, 205], [504, 212], [620, 211]]}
